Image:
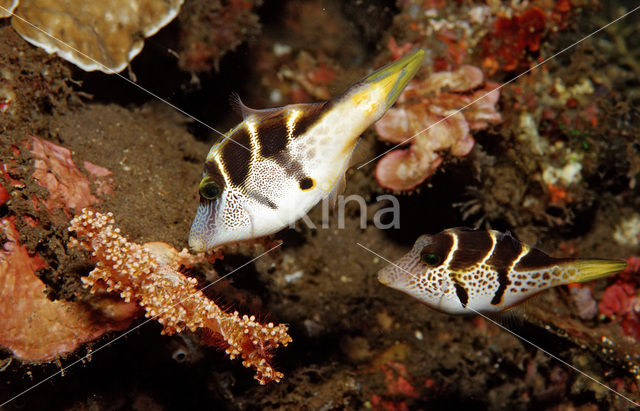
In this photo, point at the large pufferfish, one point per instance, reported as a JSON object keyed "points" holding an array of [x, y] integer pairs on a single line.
{"points": [[465, 271], [274, 166]]}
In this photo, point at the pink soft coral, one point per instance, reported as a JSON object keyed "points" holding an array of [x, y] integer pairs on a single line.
{"points": [[621, 300], [36, 329], [617, 299], [68, 186], [431, 115]]}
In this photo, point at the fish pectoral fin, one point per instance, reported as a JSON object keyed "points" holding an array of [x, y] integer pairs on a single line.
{"points": [[341, 183], [511, 317], [338, 189], [238, 106], [361, 152]]}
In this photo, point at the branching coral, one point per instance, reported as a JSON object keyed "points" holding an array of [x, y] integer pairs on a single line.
{"points": [[431, 115], [152, 279]]}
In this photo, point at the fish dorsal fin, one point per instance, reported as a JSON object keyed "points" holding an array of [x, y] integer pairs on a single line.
{"points": [[509, 235], [238, 106]]}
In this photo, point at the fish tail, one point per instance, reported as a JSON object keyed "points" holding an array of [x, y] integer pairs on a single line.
{"points": [[589, 270]]}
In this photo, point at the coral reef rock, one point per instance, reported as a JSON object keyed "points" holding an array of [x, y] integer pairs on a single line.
{"points": [[433, 120], [211, 29], [68, 186], [7, 7], [93, 35]]}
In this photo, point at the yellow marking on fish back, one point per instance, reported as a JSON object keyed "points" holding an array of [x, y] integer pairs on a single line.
{"points": [[252, 127], [222, 169], [293, 116], [364, 99]]}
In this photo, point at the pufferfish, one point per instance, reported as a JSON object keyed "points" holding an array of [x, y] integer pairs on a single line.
{"points": [[465, 271], [274, 166]]}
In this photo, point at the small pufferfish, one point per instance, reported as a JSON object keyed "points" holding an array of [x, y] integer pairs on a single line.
{"points": [[465, 271], [274, 166]]}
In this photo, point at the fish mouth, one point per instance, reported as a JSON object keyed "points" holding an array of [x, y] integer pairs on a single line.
{"points": [[399, 274], [395, 76], [383, 276]]}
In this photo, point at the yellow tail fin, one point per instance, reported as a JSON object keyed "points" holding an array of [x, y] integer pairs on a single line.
{"points": [[593, 269]]}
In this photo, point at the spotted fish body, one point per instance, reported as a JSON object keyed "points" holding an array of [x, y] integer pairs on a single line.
{"points": [[464, 271], [274, 166]]}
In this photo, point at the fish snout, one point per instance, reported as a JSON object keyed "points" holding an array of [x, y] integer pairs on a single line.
{"points": [[203, 232], [384, 276], [393, 276], [197, 243]]}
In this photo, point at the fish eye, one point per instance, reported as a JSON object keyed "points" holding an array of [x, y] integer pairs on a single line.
{"points": [[430, 258], [209, 189]]}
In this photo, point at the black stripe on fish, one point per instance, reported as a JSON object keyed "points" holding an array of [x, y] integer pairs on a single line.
{"points": [[473, 247], [462, 294], [290, 165], [440, 245], [272, 135], [211, 169], [506, 251], [535, 259], [503, 283], [236, 157], [273, 132], [262, 199], [310, 115]]}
